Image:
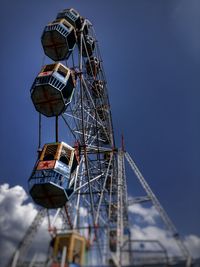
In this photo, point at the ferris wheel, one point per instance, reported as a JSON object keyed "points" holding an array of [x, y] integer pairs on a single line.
{"points": [[80, 179], [79, 176]]}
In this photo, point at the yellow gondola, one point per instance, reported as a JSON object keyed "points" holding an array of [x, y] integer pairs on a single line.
{"points": [[75, 245]]}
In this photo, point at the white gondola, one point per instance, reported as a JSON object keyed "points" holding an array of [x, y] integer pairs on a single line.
{"points": [[72, 16], [58, 39], [53, 89]]}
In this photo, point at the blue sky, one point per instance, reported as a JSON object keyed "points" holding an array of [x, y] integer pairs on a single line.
{"points": [[151, 54]]}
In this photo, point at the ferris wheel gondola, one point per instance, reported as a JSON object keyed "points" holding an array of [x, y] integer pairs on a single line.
{"points": [[53, 178], [58, 39], [53, 89]]}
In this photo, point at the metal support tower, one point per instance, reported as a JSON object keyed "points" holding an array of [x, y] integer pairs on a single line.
{"points": [[167, 221]]}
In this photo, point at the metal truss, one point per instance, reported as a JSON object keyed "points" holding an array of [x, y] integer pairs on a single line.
{"points": [[164, 216]]}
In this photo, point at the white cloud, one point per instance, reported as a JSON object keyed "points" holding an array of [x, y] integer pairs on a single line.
{"points": [[157, 234], [17, 214], [148, 215], [15, 217], [193, 244], [153, 232]]}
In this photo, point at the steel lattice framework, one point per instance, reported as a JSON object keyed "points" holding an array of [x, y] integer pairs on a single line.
{"points": [[98, 208], [89, 123]]}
